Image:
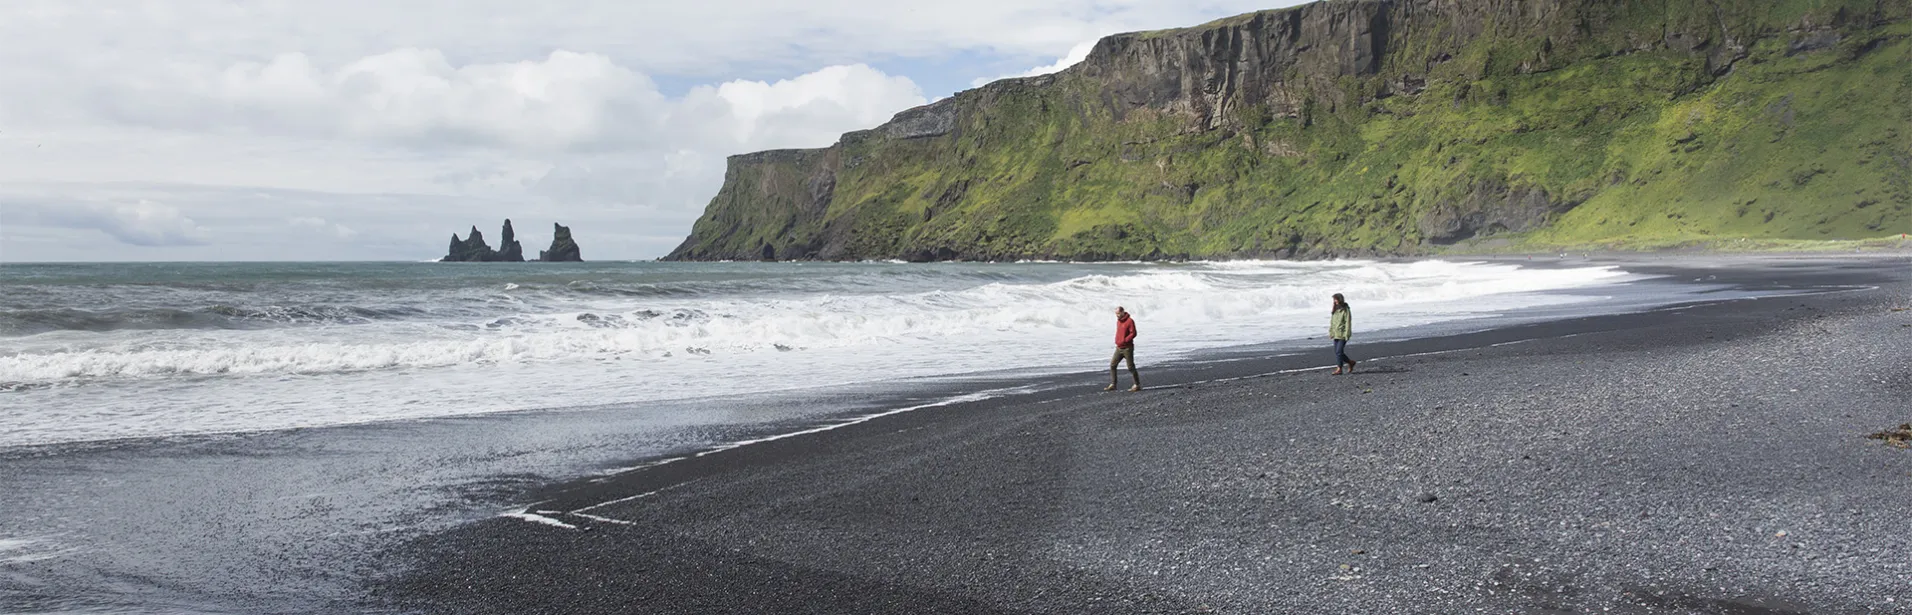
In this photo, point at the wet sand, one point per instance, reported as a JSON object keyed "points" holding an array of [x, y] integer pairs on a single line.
{"points": [[1704, 458]]}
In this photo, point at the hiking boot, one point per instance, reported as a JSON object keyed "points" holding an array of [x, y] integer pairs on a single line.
{"points": [[1109, 388], [1336, 372], [1135, 388], [1350, 366]]}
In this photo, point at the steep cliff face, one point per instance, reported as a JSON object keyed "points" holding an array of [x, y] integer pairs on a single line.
{"points": [[1353, 127]]}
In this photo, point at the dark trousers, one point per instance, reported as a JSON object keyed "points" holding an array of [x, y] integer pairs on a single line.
{"points": [[1124, 354], [1341, 353]]}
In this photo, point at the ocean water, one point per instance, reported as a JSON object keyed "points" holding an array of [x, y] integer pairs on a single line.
{"points": [[109, 351]]}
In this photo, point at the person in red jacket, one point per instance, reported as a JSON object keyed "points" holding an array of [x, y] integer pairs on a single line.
{"points": [[1124, 349]]}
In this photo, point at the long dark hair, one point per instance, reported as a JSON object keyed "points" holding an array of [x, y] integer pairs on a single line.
{"points": [[1340, 303]]}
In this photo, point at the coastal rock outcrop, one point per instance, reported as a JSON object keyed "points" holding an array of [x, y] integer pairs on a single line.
{"points": [[563, 248], [1489, 208], [473, 248], [508, 248], [1371, 127]]}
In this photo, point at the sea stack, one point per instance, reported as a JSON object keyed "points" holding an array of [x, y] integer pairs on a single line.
{"points": [[473, 249], [509, 250], [563, 248]]}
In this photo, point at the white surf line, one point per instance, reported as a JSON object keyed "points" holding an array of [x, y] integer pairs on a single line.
{"points": [[23, 551], [636, 497], [540, 519], [1808, 291], [1373, 359], [970, 397], [610, 473], [600, 519], [1825, 290], [542, 515], [992, 393]]}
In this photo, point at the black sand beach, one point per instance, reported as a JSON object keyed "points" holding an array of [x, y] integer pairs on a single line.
{"points": [[1705, 458]]}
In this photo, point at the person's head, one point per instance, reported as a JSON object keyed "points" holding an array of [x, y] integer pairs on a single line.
{"points": [[1340, 303], [1121, 313]]}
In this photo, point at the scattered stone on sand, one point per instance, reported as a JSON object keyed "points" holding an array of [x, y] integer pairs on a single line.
{"points": [[1900, 437]]}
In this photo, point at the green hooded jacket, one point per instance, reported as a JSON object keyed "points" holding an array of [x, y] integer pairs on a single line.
{"points": [[1341, 327]]}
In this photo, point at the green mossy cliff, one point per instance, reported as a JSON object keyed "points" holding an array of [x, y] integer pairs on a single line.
{"points": [[1376, 127]]}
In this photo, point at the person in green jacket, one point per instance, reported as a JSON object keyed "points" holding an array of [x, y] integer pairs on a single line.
{"points": [[1341, 327]]}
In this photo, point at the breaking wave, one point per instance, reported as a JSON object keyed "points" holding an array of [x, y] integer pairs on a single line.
{"points": [[1190, 305]]}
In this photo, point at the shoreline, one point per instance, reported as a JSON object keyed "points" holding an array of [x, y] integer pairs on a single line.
{"points": [[689, 532], [1050, 367], [1287, 357], [479, 352], [1291, 356], [310, 516]]}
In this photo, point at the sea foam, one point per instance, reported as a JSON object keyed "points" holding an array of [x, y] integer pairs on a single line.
{"points": [[695, 332]]}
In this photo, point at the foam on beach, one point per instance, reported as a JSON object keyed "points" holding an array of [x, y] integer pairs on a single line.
{"points": [[468, 349], [28, 550], [539, 519]]}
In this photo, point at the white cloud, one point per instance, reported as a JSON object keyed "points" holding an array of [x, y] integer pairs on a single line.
{"points": [[684, 163], [1076, 55], [395, 123], [415, 96], [146, 223], [602, 179], [711, 122], [802, 112], [557, 135], [567, 102], [712, 40], [340, 231], [139, 223], [431, 145]]}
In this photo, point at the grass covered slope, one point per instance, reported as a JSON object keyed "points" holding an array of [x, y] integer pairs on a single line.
{"points": [[1377, 127], [1800, 146]]}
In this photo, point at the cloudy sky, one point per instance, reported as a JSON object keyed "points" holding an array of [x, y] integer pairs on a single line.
{"points": [[374, 129]]}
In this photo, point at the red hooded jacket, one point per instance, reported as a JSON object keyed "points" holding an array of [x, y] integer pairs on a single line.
{"points": [[1125, 332]]}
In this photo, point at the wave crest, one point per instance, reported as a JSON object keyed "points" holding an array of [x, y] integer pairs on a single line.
{"points": [[1189, 305]]}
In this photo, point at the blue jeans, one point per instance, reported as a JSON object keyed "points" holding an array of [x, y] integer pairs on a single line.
{"points": [[1341, 353]]}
